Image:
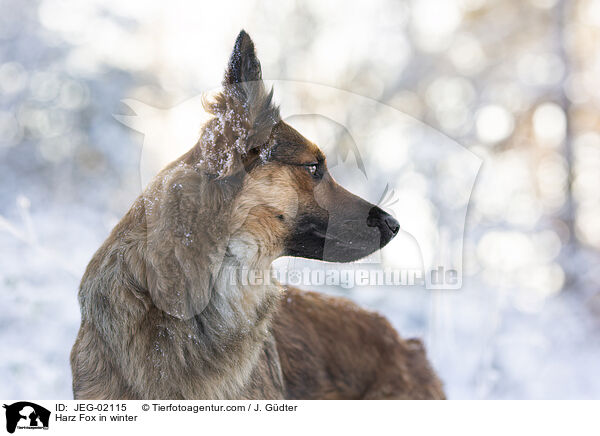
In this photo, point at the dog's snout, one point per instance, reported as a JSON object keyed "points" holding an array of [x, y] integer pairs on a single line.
{"points": [[387, 224]]}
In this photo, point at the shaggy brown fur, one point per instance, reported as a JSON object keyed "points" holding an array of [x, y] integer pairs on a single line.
{"points": [[332, 349], [162, 317]]}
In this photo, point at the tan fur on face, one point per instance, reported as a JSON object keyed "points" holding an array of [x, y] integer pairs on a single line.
{"points": [[263, 214]]}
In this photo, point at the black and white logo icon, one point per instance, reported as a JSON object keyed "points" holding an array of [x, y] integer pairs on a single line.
{"points": [[26, 415]]}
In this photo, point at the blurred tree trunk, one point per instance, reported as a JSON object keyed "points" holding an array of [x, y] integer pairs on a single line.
{"points": [[562, 13]]}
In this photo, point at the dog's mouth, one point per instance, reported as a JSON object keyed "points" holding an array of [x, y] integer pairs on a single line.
{"points": [[330, 238], [349, 241]]}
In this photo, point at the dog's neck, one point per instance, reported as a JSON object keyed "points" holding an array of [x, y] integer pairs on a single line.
{"points": [[237, 302], [233, 329]]}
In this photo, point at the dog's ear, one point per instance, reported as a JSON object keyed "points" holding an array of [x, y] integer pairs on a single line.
{"points": [[244, 65], [244, 113], [186, 228]]}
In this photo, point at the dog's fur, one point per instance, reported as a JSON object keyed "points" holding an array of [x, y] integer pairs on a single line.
{"points": [[161, 317]]}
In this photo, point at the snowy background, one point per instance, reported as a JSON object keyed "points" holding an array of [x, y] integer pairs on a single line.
{"points": [[517, 83]]}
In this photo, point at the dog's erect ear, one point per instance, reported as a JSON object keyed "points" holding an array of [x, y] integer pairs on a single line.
{"points": [[244, 65], [244, 113]]}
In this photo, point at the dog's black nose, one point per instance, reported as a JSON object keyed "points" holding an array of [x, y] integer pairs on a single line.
{"points": [[387, 224], [392, 224]]}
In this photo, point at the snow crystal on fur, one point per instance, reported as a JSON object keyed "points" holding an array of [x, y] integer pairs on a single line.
{"points": [[244, 114]]}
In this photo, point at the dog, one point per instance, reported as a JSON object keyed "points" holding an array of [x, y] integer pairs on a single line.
{"points": [[161, 317]]}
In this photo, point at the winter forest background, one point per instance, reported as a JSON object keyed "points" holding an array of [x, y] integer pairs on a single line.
{"points": [[515, 82]]}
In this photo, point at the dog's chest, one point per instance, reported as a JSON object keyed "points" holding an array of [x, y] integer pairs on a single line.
{"points": [[266, 379]]}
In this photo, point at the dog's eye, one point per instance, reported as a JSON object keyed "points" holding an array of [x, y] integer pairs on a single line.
{"points": [[312, 169]]}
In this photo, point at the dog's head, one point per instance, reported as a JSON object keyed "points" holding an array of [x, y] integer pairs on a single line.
{"points": [[289, 200], [276, 195]]}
